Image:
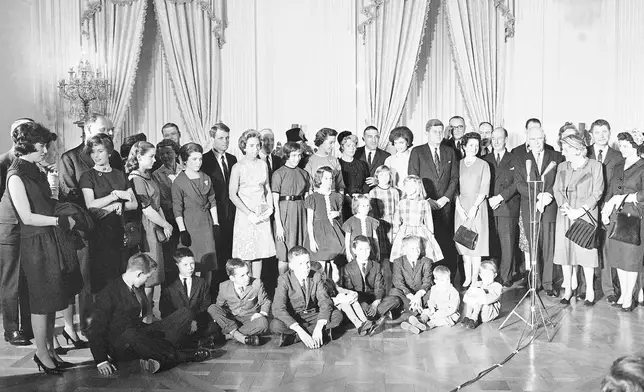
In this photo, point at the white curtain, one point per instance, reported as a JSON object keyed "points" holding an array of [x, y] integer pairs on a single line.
{"points": [[392, 44], [193, 59], [477, 34]]}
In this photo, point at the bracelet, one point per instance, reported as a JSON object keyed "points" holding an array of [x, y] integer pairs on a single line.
{"points": [[57, 221]]}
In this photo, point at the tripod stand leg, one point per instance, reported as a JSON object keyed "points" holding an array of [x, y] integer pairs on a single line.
{"points": [[514, 311]]}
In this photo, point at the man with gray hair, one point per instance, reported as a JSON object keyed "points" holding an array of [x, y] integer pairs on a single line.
{"points": [[273, 161]]}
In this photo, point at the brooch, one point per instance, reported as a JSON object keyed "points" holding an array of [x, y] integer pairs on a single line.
{"points": [[206, 182]]}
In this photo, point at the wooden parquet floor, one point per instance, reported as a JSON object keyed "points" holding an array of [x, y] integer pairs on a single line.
{"points": [[585, 342]]}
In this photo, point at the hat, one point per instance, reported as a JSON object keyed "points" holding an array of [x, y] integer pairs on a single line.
{"points": [[575, 141], [295, 135]]}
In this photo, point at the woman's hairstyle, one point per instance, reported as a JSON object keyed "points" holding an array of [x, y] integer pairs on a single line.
{"points": [[139, 148], [625, 136], [181, 254], [383, 169], [168, 143], [402, 133], [626, 374], [141, 262], [129, 142], [566, 127], [26, 135], [188, 149], [100, 139], [290, 147], [489, 265], [418, 182], [342, 135], [317, 178], [322, 135], [360, 239], [441, 270], [19, 121], [350, 137], [233, 264], [356, 200], [469, 136], [575, 142], [248, 134]]}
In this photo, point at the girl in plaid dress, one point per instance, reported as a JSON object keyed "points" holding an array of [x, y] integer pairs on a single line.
{"points": [[414, 217]]}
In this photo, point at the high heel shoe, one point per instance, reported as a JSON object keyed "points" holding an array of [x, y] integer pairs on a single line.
{"points": [[78, 344], [63, 364], [566, 301], [53, 371]]}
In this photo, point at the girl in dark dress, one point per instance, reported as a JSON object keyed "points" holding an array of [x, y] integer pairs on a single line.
{"points": [[354, 172], [44, 261], [107, 195]]}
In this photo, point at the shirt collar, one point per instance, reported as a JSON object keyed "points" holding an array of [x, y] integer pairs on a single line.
{"points": [[367, 150]]}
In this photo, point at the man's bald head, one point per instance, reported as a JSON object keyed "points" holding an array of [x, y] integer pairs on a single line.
{"points": [[268, 140], [536, 139], [98, 123]]}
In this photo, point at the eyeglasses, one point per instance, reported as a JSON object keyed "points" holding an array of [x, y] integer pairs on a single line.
{"points": [[459, 126]]}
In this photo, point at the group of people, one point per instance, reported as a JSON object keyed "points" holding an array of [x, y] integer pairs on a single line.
{"points": [[368, 236]]}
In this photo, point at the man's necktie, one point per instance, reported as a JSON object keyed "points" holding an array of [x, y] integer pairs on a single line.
{"points": [[241, 292], [268, 162], [370, 158], [437, 161], [142, 300], [185, 287], [225, 166], [498, 158], [600, 156]]}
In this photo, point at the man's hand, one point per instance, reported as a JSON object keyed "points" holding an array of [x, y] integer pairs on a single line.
{"points": [[305, 338], [373, 309], [317, 336], [495, 201], [442, 202], [371, 181], [105, 369], [255, 316], [415, 302]]}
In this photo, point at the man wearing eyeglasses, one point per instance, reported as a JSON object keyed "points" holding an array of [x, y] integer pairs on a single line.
{"points": [[454, 133]]}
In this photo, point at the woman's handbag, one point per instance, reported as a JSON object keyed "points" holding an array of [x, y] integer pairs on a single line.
{"points": [[466, 237], [161, 237], [627, 227], [584, 233]]}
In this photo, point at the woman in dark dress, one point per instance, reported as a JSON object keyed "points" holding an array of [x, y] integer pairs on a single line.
{"points": [[625, 186], [354, 172], [45, 265], [107, 195]]}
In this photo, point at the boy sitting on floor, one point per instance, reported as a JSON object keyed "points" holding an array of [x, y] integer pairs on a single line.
{"points": [[192, 292], [442, 306], [118, 331], [242, 305], [482, 299]]}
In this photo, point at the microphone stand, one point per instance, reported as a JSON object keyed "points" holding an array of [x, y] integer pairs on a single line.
{"points": [[538, 313]]}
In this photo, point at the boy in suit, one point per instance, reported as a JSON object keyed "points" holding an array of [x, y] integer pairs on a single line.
{"points": [[242, 305], [365, 277], [117, 331], [412, 279], [191, 292], [302, 307]]}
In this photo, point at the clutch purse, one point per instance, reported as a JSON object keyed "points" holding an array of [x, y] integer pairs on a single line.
{"points": [[627, 227], [584, 233], [161, 237], [466, 237]]}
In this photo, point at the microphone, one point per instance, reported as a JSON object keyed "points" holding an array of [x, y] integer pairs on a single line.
{"points": [[528, 168], [549, 168]]}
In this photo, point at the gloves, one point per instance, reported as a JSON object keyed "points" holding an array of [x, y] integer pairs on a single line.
{"points": [[185, 238]]}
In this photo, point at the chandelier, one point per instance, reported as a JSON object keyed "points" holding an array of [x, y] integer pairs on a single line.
{"points": [[86, 90]]}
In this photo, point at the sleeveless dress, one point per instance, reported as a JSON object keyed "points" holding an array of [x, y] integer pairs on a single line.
{"points": [[252, 241], [474, 180]]}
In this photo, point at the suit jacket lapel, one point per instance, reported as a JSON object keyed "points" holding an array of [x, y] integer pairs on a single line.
{"points": [[85, 158]]}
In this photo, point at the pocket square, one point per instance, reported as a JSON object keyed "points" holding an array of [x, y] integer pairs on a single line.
{"points": [[512, 168]]}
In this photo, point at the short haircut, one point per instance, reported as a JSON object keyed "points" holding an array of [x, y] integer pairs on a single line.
{"points": [[290, 147], [469, 136], [317, 267], [323, 134], [368, 128], [626, 374], [532, 120], [297, 251], [456, 118], [409, 239], [139, 148], [625, 136], [441, 270], [402, 133], [434, 122], [130, 141], [505, 131], [317, 177], [170, 125], [383, 169], [188, 149], [485, 122], [248, 134], [164, 143], [100, 139], [598, 123], [489, 265], [345, 139], [233, 264], [355, 202], [141, 262], [182, 253], [360, 239], [26, 135], [218, 127]]}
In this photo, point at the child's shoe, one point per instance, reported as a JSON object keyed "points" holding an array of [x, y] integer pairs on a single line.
{"points": [[414, 321], [409, 328]]}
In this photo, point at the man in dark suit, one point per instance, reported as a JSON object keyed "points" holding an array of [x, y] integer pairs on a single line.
{"points": [[168, 131], [437, 167], [73, 163], [520, 152], [453, 135], [14, 298], [118, 329], [504, 201], [217, 163], [609, 157], [371, 154], [543, 164], [273, 161], [242, 305], [302, 307], [485, 130]]}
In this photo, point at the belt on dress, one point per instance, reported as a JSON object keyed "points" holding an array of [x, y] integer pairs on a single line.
{"points": [[291, 198]]}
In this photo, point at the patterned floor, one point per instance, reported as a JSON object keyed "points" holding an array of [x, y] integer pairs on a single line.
{"points": [[586, 341]]}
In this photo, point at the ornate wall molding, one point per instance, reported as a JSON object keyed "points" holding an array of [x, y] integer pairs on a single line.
{"points": [[505, 11], [371, 12], [218, 23]]}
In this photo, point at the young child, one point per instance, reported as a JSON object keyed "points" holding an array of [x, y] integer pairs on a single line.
{"points": [[323, 210], [444, 299], [242, 305], [414, 217], [482, 299], [118, 331], [346, 301], [289, 185], [364, 276], [412, 279], [384, 200], [192, 292], [361, 224]]}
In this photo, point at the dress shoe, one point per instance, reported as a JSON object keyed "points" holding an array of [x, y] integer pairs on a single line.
{"points": [[251, 340], [17, 338], [589, 303], [365, 328], [78, 344], [507, 284], [630, 308], [581, 296], [466, 322], [28, 333], [473, 324], [377, 326], [150, 365], [565, 301], [552, 293], [200, 355], [286, 339], [56, 371], [611, 299]]}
